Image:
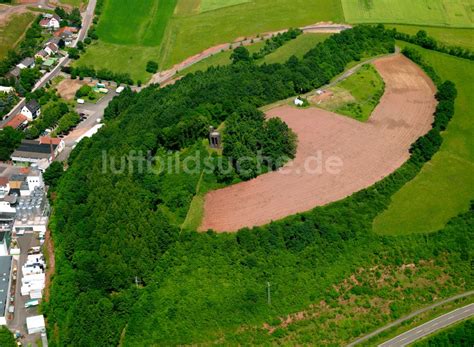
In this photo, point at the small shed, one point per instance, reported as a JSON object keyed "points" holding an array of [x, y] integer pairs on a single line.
{"points": [[35, 324], [298, 102]]}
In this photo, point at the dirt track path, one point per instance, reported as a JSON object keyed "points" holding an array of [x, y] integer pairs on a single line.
{"points": [[368, 152], [167, 76]]}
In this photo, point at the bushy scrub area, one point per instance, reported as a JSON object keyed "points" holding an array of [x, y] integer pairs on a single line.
{"points": [[461, 334], [125, 271]]}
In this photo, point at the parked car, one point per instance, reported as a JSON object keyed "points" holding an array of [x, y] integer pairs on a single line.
{"points": [[31, 303], [80, 101]]}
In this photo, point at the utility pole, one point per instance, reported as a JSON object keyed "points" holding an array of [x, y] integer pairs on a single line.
{"points": [[269, 295]]}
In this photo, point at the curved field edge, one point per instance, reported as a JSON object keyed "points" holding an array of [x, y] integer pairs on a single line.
{"points": [[445, 185]]}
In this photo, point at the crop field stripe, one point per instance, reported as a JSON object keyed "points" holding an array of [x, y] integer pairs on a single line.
{"points": [[422, 12]]}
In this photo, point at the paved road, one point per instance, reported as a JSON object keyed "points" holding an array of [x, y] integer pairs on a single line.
{"points": [[410, 316], [430, 327], [95, 112]]}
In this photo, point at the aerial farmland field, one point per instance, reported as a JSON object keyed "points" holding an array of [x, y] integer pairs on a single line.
{"points": [[422, 12], [445, 185]]}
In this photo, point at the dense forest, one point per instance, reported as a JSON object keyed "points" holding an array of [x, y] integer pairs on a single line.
{"points": [[122, 262]]}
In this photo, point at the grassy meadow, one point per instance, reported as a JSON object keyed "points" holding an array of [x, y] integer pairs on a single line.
{"points": [[143, 26], [356, 96], [210, 5], [13, 31], [448, 13], [448, 36], [190, 34], [297, 47], [119, 58], [445, 185]]}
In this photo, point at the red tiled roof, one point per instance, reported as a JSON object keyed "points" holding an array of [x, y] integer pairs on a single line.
{"points": [[45, 21], [49, 140], [59, 32], [25, 170], [16, 121], [3, 181]]}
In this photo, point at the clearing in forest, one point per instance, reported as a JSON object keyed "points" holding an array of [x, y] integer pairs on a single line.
{"points": [[356, 96], [360, 154]]}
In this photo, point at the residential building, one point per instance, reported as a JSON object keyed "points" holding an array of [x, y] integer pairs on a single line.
{"points": [[51, 22], [31, 110], [14, 73], [51, 48], [26, 63], [17, 122], [42, 54]]}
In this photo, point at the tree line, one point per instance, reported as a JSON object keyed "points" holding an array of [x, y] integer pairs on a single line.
{"points": [[421, 38]]}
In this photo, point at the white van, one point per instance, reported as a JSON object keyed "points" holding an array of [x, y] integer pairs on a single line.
{"points": [[31, 303], [80, 101]]}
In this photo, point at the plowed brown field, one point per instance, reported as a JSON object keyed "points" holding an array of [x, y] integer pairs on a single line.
{"points": [[367, 152]]}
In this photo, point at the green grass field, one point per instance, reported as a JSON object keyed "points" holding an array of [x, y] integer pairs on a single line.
{"points": [[297, 47], [144, 25], [219, 59], [177, 29], [119, 58], [13, 31], [123, 49], [191, 34], [450, 13], [356, 96], [445, 185], [448, 36], [75, 3], [210, 5]]}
